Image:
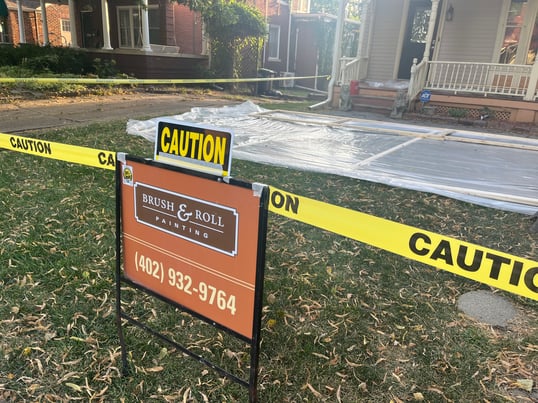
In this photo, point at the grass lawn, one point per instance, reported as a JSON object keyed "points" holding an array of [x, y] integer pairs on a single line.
{"points": [[342, 321]]}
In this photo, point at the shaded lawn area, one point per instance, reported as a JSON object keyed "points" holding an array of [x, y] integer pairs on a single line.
{"points": [[342, 321]]}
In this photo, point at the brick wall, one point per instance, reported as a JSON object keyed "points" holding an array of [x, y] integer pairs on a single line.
{"points": [[188, 30], [54, 16], [33, 27]]}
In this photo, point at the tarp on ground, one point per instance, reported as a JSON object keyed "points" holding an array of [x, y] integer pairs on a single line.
{"points": [[490, 170]]}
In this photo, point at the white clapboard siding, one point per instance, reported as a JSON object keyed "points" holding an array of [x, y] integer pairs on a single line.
{"points": [[472, 34], [389, 16]]}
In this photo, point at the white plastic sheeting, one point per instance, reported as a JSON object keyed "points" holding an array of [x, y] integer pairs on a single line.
{"points": [[486, 169]]}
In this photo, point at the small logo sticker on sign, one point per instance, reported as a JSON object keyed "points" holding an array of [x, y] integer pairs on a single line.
{"points": [[127, 175]]}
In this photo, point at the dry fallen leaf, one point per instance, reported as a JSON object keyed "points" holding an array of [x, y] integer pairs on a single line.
{"points": [[74, 386], [525, 384], [155, 369], [418, 396]]}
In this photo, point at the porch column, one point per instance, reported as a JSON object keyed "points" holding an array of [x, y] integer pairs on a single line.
{"points": [[106, 25], [72, 22], [533, 81], [145, 27], [20, 19], [431, 28], [361, 54], [44, 23]]}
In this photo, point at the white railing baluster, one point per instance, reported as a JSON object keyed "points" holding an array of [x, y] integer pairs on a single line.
{"points": [[474, 78], [483, 78]]}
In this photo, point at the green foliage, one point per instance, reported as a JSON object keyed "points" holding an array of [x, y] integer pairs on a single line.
{"points": [[105, 68], [229, 21], [231, 26], [16, 71], [32, 60], [457, 112], [39, 59]]}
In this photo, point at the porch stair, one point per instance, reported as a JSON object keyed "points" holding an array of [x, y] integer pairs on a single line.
{"points": [[372, 103], [374, 100]]}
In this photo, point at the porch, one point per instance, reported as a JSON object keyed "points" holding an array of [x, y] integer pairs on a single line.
{"points": [[155, 64], [501, 92]]}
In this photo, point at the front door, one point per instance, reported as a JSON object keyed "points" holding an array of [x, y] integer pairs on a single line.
{"points": [[415, 35], [90, 26]]}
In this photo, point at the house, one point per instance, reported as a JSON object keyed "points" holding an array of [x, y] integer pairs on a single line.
{"points": [[29, 28], [472, 56], [300, 43], [144, 39], [162, 39]]}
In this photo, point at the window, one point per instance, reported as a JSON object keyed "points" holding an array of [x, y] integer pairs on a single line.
{"points": [[419, 29], [65, 25], [273, 44], [520, 41], [301, 6], [130, 25], [3, 30]]}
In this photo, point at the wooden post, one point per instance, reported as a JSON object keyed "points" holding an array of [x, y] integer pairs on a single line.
{"points": [[431, 28]]}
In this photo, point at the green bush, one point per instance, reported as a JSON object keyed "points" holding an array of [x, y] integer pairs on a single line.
{"points": [[43, 63], [457, 112], [15, 71], [54, 59]]}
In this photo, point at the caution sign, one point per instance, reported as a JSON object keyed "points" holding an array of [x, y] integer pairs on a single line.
{"points": [[488, 266], [64, 152], [198, 147]]}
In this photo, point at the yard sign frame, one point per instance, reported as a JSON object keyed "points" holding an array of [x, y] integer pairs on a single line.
{"points": [[173, 243]]}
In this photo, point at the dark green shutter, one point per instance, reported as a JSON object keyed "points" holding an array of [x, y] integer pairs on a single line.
{"points": [[3, 8]]}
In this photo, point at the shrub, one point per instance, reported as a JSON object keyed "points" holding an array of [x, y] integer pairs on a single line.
{"points": [[457, 112], [53, 59]]}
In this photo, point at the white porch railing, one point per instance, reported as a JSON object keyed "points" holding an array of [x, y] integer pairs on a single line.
{"points": [[349, 70], [484, 78], [517, 81], [418, 78]]}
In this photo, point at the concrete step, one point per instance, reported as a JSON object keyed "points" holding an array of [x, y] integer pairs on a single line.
{"points": [[373, 100], [379, 104], [372, 108]]}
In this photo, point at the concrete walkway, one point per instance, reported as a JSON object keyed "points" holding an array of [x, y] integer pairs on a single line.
{"points": [[21, 115]]}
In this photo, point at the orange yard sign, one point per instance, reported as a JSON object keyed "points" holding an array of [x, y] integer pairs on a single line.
{"points": [[194, 240]]}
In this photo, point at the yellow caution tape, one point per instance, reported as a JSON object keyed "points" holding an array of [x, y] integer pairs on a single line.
{"points": [[497, 269], [58, 151], [122, 81], [488, 266]]}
